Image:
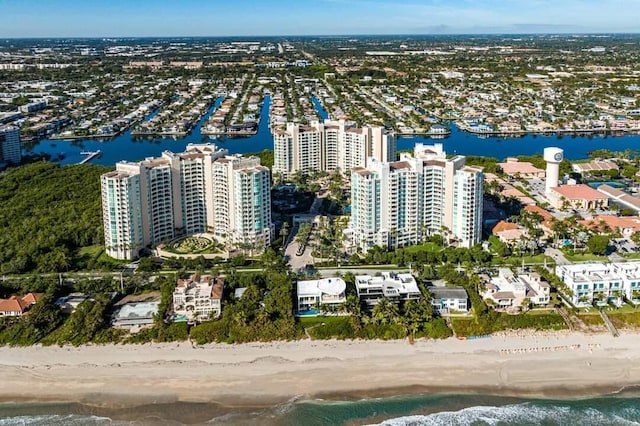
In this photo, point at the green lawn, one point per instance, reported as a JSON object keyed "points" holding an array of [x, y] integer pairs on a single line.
{"points": [[423, 247], [328, 327], [537, 320], [91, 251], [625, 319], [518, 260], [591, 319], [630, 255], [585, 257]]}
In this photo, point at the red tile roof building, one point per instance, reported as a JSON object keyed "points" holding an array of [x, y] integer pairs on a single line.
{"points": [[578, 197], [16, 306]]}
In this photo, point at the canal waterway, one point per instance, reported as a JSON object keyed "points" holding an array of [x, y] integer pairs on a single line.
{"points": [[128, 147]]}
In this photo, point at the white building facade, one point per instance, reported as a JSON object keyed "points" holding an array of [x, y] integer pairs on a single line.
{"points": [[328, 146], [198, 298], [509, 290], [396, 287], [313, 295], [202, 190], [601, 283], [399, 203]]}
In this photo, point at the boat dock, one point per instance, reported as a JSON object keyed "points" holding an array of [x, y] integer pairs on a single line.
{"points": [[90, 155]]}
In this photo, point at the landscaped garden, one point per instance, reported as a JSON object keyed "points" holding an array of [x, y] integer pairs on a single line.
{"points": [[194, 245]]}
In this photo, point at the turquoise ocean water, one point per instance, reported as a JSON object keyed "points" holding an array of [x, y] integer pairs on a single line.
{"points": [[411, 410]]}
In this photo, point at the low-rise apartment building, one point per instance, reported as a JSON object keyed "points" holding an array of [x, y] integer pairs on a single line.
{"points": [[601, 283]]}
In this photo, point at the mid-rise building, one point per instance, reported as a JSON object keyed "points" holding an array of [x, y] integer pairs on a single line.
{"points": [[10, 149], [328, 146], [202, 190], [399, 203], [198, 298]]}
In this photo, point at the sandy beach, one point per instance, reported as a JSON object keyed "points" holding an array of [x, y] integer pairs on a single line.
{"points": [[551, 364]]}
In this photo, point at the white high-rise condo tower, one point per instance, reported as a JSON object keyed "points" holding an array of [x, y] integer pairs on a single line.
{"points": [[200, 190], [553, 156], [398, 203]]}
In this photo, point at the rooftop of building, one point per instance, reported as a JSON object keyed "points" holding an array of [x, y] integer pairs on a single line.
{"points": [[579, 192], [202, 286], [403, 281], [19, 303], [448, 292], [620, 196], [503, 225], [601, 222], [595, 165], [331, 286], [511, 167]]}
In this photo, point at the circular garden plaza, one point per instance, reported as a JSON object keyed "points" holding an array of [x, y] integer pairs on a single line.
{"points": [[193, 246]]}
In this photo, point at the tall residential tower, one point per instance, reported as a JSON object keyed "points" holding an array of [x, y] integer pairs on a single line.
{"points": [[328, 146], [202, 190], [10, 145], [399, 203]]}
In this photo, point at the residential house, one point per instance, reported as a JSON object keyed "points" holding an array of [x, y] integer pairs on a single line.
{"points": [[16, 306], [135, 315], [198, 298], [509, 290], [508, 232], [391, 285], [446, 300], [71, 302], [627, 226], [313, 294]]}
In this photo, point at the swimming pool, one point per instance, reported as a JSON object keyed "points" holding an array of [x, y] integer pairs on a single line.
{"points": [[613, 184], [308, 313]]}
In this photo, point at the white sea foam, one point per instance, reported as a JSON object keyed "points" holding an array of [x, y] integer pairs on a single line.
{"points": [[55, 419], [519, 414]]}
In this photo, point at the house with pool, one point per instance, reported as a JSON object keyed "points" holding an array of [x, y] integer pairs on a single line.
{"points": [[316, 296]]}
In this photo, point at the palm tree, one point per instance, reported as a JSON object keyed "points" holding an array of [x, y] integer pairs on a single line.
{"points": [[353, 306], [385, 312]]}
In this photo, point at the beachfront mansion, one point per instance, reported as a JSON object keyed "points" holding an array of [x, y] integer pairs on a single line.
{"points": [[400, 203], [328, 146], [200, 190], [198, 297]]}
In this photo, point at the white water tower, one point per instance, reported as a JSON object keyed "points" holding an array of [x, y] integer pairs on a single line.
{"points": [[553, 156]]}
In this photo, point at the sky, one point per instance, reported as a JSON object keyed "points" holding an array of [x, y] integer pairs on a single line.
{"points": [[128, 18]]}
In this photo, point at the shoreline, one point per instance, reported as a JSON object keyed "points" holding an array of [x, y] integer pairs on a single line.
{"points": [[264, 374]]}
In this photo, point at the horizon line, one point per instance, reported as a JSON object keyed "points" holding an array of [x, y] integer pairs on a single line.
{"points": [[568, 33]]}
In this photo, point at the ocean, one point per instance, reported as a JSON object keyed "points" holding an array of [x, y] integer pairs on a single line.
{"points": [[407, 410]]}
